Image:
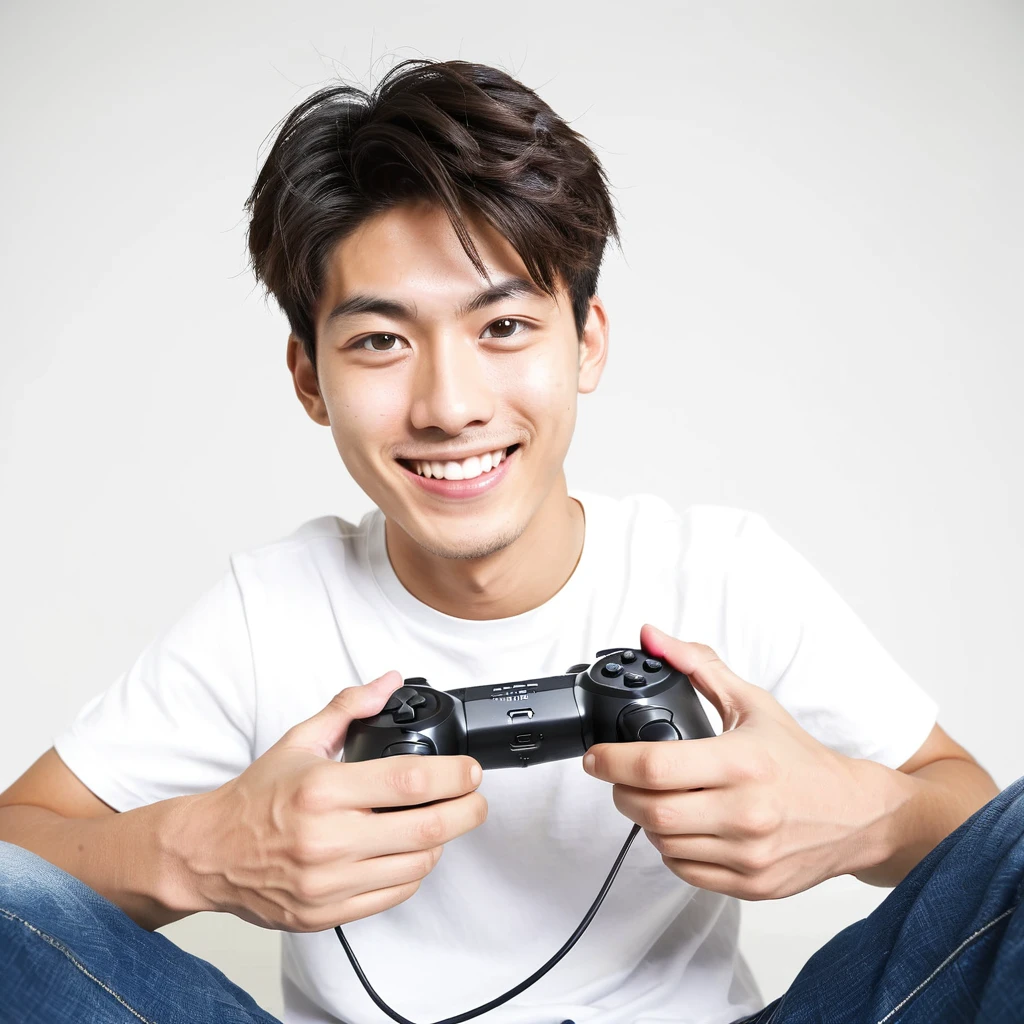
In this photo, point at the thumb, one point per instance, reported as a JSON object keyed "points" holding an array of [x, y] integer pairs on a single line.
{"points": [[324, 733], [733, 698]]}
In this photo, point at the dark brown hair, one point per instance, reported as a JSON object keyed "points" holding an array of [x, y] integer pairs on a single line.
{"points": [[466, 136]]}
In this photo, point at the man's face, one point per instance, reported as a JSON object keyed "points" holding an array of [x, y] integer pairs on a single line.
{"points": [[418, 399]]}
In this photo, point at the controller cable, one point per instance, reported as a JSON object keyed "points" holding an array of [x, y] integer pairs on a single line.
{"points": [[523, 985]]}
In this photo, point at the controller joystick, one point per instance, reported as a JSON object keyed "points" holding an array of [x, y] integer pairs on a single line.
{"points": [[626, 695]]}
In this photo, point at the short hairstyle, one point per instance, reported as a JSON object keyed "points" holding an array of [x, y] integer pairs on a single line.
{"points": [[463, 135]]}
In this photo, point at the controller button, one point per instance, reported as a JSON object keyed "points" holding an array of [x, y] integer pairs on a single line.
{"points": [[652, 665], [576, 669], [654, 731], [627, 657], [612, 669], [634, 679], [407, 747]]}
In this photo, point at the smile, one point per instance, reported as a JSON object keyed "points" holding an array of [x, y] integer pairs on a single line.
{"points": [[463, 477], [463, 469]]}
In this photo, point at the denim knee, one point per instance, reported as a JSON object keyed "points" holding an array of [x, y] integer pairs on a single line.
{"points": [[34, 889], [23, 875]]}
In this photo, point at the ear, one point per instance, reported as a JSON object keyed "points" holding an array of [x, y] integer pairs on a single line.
{"points": [[306, 386], [593, 346]]}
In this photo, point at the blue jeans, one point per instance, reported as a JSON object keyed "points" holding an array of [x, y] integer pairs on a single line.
{"points": [[947, 944]]}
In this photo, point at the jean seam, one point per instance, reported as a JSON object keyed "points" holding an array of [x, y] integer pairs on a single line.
{"points": [[945, 963], [10, 915]]}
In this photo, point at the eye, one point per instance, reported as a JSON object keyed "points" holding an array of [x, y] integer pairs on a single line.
{"points": [[378, 343], [509, 320]]}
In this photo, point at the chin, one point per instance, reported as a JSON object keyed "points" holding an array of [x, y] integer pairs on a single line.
{"points": [[468, 546]]}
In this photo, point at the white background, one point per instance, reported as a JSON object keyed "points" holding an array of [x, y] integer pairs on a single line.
{"points": [[817, 316]]}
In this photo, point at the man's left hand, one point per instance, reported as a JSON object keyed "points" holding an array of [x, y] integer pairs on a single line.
{"points": [[762, 811]]}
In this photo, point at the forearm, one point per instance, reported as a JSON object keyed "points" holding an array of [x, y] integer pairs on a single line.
{"points": [[917, 812], [125, 857]]}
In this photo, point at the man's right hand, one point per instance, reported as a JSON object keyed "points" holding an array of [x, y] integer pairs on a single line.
{"points": [[293, 843]]}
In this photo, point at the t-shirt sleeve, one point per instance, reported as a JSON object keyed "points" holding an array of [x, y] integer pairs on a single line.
{"points": [[180, 719], [808, 647]]}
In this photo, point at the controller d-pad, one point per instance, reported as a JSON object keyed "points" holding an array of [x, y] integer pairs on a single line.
{"points": [[403, 702], [612, 669]]}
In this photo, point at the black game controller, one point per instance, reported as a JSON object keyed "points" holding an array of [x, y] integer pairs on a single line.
{"points": [[626, 695]]}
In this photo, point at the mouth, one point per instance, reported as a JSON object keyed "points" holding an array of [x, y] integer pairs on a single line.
{"points": [[461, 469]]}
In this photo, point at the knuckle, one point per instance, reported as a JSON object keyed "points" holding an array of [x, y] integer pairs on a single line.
{"points": [[412, 781], [311, 795], [661, 816], [432, 828], [300, 920], [756, 859], [759, 821], [653, 768], [305, 891], [760, 887], [427, 859]]}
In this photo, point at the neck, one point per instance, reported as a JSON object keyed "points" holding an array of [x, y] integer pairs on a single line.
{"points": [[521, 576]]}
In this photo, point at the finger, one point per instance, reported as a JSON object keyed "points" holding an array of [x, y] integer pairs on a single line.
{"points": [[324, 733], [364, 904], [331, 884], [763, 885], [418, 828], [699, 812], [679, 764], [732, 696], [405, 780], [745, 858]]}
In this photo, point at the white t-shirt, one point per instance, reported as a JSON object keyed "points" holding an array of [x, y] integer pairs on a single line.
{"points": [[295, 621]]}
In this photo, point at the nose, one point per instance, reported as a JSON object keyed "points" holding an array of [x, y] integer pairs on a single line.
{"points": [[451, 390]]}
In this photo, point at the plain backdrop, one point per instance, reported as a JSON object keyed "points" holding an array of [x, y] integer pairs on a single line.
{"points": [[816, 315]]}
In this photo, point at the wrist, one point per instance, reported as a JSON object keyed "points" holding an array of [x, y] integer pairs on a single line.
{"points": [[884, 793], [178, 832]]}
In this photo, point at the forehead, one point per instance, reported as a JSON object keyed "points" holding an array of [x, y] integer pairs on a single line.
{"points": [[412, 251]]}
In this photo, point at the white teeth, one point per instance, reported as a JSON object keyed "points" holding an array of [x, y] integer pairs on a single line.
{"points": [[467, 469]]}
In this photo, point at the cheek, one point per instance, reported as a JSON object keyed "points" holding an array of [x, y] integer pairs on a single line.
{"points": [[544, 387], [364, 410]]}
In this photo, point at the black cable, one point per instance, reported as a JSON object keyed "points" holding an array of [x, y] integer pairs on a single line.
{"points": [[523, 985]]}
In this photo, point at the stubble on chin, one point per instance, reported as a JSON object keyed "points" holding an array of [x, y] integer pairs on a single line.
{"points": [[476, 547]]}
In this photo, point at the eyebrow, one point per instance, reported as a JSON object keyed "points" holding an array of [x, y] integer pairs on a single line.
{"points": [[396, 310]]}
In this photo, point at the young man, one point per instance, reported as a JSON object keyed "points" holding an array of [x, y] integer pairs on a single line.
{"points": [[436, 247]]}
